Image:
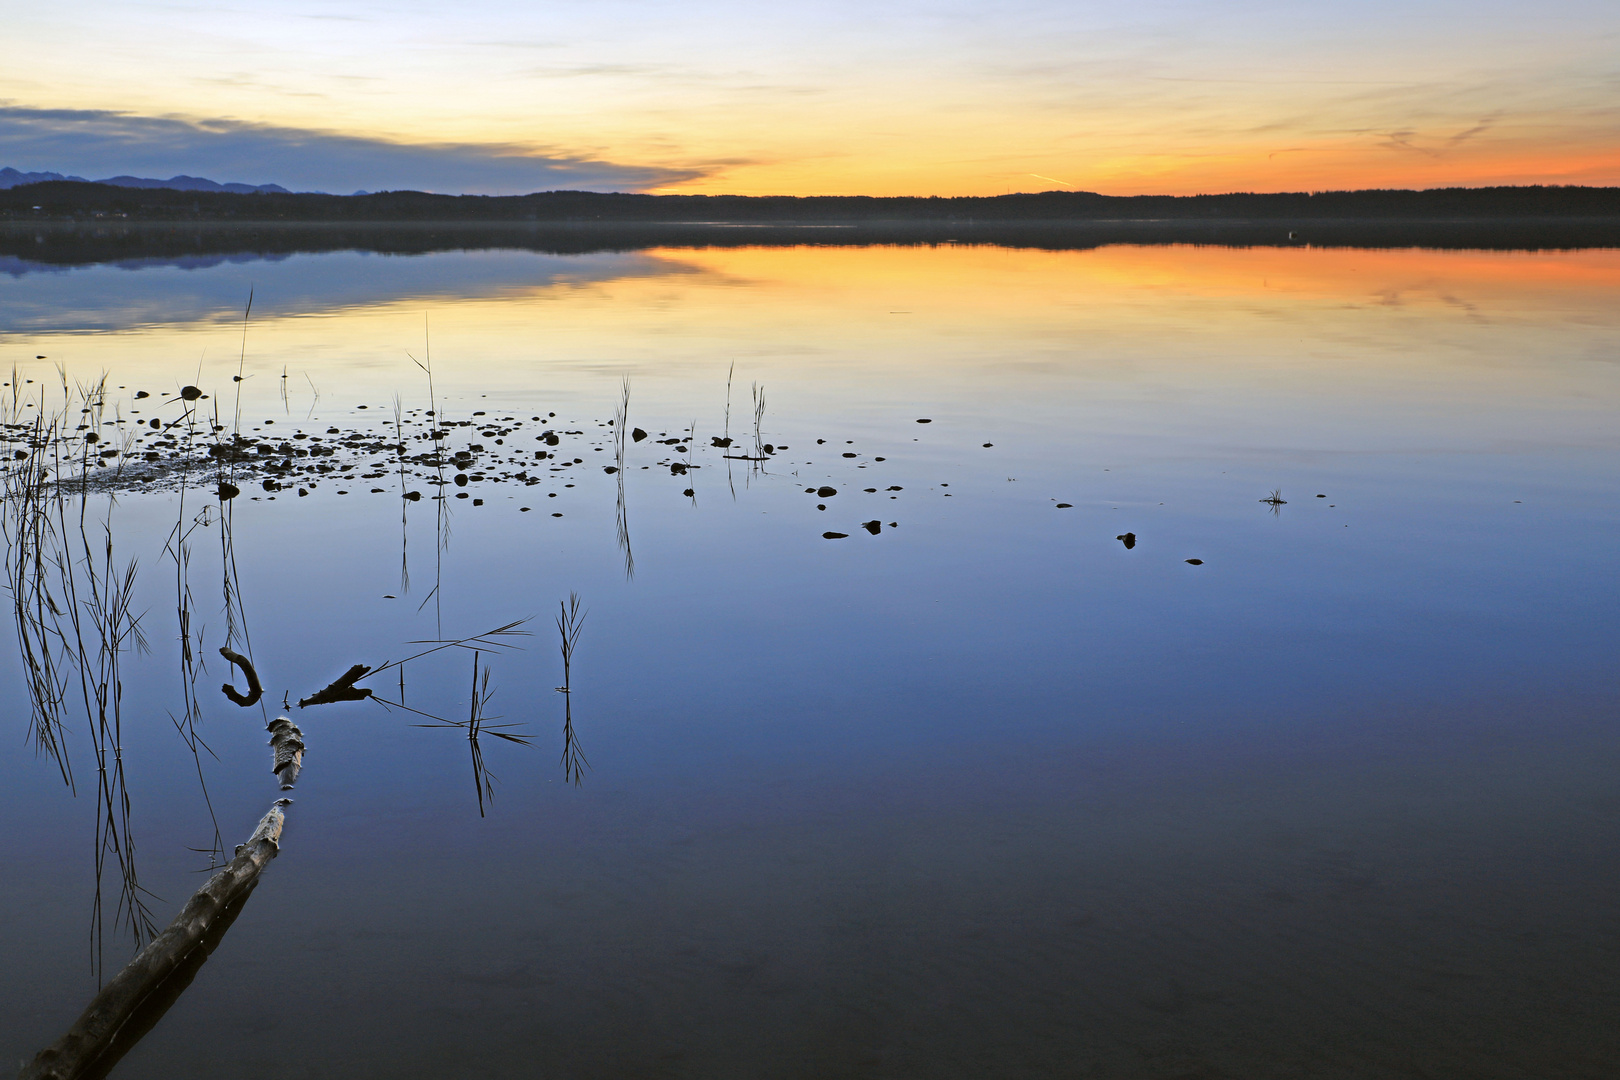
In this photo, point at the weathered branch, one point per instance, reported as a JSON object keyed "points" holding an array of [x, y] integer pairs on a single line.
{"points": [[340, 689], [122, 1011], [287, 743], [255, 691]]}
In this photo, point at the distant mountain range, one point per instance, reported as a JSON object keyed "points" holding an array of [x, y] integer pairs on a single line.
{"points": [[10, 178]]}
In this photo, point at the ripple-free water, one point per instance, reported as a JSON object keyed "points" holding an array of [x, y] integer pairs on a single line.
{"points": [[984, 794]]}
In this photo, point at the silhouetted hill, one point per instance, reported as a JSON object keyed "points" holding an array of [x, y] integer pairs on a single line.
{"points": [[70, 200], [10, 178]]}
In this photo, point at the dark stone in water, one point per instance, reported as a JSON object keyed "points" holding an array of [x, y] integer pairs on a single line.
{"points": [[869, 490], [637, 435], [1195, 562], [141, 394], [689, 493], [989, 444], [1128, 539], [227, 492], [826, 492], [190, 393], [271, 485], [833, 536], [1065, 506], [925, 421], [719, 441], [1321, 496], [552, 440], [610, 469], [92, 437], [768, 448], [873, 527], [677, 468], [413, 496], [461, 479]]}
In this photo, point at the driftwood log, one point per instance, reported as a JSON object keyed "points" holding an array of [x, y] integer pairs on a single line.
{"points": [[287, 746], [128, 1006]]}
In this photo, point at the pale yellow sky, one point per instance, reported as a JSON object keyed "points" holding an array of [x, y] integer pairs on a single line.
{"points": [[829, 98]]}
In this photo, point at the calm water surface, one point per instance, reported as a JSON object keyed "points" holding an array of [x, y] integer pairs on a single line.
{"points": [[985, 794]]}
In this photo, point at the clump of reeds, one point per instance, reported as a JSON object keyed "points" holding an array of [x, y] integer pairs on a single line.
{"points": [[570, 620], [759, 418], [621, 427], [72, 607]]}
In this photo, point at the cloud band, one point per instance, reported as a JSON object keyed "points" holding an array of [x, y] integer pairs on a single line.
{"points": [[102, 142]]}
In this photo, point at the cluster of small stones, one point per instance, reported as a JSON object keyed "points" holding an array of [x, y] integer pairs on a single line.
{"points": [[414, 447], [152, 454]]}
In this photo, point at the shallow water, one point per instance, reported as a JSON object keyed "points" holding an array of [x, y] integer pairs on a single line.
{"points": [[984, 794]]}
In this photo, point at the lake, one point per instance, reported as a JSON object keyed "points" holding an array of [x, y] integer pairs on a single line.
{"points": [[1202, 666]]}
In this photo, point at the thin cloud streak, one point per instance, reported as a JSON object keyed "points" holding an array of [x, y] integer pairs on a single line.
{"points": [[103, 142]]}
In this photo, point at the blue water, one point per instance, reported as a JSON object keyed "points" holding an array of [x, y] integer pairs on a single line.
{"points": [[985, 794]]}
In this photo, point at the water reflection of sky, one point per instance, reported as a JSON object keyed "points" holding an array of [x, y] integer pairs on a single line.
{"points": [[979, 794]]}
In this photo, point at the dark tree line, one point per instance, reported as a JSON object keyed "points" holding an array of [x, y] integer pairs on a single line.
{"points": [[65, 200]]}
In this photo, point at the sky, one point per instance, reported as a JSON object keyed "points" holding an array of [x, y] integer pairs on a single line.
{"points": [[821, 97]]}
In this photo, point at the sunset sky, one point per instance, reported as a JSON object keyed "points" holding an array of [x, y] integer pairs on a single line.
{"points": [[1162, 96]]}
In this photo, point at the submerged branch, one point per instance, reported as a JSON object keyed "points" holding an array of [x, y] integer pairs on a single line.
{"points": [[340, 689], [255, 691]]}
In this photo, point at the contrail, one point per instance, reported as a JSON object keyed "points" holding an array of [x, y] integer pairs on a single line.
{"points": [[1051, 179]]}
